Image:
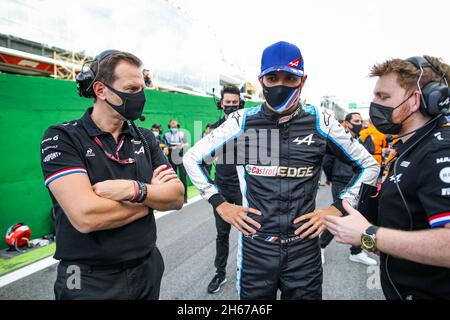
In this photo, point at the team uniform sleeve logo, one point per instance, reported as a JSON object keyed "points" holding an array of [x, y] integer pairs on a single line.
{"points": [[59, 157]]}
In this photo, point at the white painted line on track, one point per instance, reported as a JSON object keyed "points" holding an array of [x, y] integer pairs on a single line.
{"points": [[26, 271], [159, 214], [49, 261]]}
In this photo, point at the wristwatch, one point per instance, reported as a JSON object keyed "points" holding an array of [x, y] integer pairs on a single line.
{"points": [[369, 239]]}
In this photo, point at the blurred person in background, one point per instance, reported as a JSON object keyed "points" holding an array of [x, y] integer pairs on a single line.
{"points": [[176, 142]]}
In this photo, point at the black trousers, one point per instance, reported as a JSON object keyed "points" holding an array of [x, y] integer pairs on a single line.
{"points": [[223, 236], [81, 282], [266, 266], [326, 237]]}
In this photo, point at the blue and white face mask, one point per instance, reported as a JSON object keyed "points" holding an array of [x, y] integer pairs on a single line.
{"points": [[282, 98]]}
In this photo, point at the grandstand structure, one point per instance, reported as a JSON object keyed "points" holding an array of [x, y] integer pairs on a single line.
{"points": [[22, 56]]}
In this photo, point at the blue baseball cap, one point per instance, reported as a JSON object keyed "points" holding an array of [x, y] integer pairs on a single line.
{"points": [[282, 56]]}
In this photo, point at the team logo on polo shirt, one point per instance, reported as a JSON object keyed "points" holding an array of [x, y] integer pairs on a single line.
{"points": [[278, 171], [52, 156], [395, 179], [445, 175], [135, 141], [90, 153], [141, 150], [55, 138], [442, 160]]}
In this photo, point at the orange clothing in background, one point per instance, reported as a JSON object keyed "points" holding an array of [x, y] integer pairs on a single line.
{"points": [[379, 140]]}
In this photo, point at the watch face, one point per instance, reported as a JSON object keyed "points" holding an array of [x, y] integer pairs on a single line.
{"points": [[367, 242]]}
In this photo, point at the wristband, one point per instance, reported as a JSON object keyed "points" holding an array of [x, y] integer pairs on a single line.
{"points": [[216, 200], [144, 192], [136, 191]]}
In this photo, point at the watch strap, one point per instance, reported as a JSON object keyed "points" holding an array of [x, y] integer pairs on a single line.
{"points": [[372, 230]]}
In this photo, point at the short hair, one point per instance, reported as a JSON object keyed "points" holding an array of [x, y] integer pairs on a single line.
{"points": [[208, 125], [230, 89], [349, 116], [156, 126], [408, 73], [105, 71]]}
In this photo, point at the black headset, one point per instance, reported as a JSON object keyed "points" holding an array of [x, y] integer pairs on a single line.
{"points": [[178, 124], [435, 96], [435, 101], [86, 78]]}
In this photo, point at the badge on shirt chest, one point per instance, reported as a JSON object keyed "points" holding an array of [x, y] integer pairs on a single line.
{"points": [[389, 172]]}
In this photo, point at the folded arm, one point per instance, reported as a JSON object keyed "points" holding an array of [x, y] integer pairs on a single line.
{"points": [[89, 212]]}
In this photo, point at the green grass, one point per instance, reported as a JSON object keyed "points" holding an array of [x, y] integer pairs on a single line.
{"points": [[11, 264], [192, 192]]}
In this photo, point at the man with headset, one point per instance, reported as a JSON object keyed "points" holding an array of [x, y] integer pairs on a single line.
{"points": [[176, 141], [411, 99], [280, 148], [227, 182], [105, 177]]}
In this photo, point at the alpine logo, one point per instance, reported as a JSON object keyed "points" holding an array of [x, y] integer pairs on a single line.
{"points": [[307, 139], [445, 102], [141, 150], [90, 153], [395, 179], [274, 171], [295, 63]]}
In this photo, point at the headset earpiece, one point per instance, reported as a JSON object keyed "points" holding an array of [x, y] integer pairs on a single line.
{"points": [[86, 77], [435, 97], [241, 102]]}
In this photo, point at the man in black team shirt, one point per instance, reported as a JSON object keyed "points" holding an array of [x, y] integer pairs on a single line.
{"points": [[412, 236], [227, 182], [105, 177]]}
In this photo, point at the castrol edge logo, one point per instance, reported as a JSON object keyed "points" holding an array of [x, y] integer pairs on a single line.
{"points": [[278, 171]]}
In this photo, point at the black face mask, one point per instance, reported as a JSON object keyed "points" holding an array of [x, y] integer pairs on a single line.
{"points": [[381, 117], [281, 98], [356, 128], [132, 103], [229, 109]]}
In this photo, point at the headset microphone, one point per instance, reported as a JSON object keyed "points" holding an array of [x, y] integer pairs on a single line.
{"points": [[142, 118], [216, 102]]}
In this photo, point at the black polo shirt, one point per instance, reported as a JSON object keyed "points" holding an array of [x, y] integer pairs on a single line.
{"points": [[70, 148], [423, 174]]}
